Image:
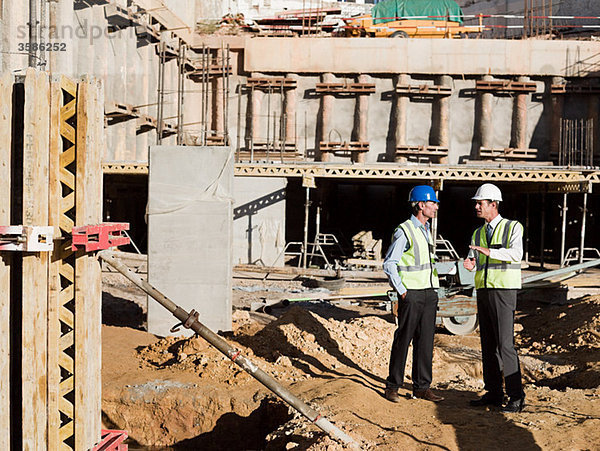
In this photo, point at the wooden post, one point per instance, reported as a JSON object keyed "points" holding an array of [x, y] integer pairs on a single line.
{"points": [[88, 291], [35, 265], [61, 319], [6, 87]]}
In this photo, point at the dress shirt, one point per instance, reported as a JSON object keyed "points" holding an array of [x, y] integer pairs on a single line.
{"points": [[514, 252], [400, 244]]}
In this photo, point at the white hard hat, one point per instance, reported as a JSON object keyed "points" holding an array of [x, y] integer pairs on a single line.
{"points": [[488, 191]]}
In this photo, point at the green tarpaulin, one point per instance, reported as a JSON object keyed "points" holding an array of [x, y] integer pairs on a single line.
{"points": [[390, 10]]}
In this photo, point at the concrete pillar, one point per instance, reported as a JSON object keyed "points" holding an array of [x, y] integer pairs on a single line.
{"points": [[361, 119], [558, 103], [486, 132], [290, 111], [326, 112], [401, 114], [256, 105], [441, 117], [218, 88], [519, 120]]}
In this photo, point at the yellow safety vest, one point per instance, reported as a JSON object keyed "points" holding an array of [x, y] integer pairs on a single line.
{"points": [[417, 265], [492, 273]]}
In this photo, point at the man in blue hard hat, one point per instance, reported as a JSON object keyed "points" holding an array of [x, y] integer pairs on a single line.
{"points": [[409, 265]]}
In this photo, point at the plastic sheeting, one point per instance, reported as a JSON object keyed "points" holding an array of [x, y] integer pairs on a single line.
{"points": [[390, 10]]}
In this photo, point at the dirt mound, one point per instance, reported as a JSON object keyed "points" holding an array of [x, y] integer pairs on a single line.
{"points": [[565, 340], [563, 328]]}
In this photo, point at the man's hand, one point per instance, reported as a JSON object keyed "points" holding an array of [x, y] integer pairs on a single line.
{"points": [[483, 250], [469, 264], [403, 295]]}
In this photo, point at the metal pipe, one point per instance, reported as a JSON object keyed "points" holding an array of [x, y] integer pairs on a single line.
{"points": [[33, 33], [583, 218], [527, 229], [229, 351], [563, 231], [161, 93], [180, 88], [305, 241], [543, 231], [326, 114]]}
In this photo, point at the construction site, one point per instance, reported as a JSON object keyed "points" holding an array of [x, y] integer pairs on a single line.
{"points": [[198, 197]]}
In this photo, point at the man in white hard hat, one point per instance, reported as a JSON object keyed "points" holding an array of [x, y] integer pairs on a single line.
{"points": [[409, 265], [495, 253]]}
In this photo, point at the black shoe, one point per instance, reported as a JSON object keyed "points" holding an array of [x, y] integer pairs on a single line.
{"points": [[514, 405], [487, 400], [427, 395]]}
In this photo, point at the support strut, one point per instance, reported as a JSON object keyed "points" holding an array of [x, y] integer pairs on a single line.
{"points": [[190, 320]]}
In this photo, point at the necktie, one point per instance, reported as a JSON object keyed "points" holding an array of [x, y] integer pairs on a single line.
{"points": [[488, 233]]}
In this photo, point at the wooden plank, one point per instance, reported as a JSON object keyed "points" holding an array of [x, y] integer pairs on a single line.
{"points": [[35, 265], [54, 281], [88, 294], [6, 86]]}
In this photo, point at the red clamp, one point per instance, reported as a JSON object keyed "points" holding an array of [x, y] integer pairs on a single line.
{"points": [[111, 441], [100, 236]]}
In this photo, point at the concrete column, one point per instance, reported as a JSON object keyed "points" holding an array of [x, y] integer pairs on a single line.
{"points": [[593, 106], [558, 103], [401, 114], [290, 111], [256, 103], [441, 117], [218, 87], [519, 120], [486, 132], [361, 119], [326, 112]]}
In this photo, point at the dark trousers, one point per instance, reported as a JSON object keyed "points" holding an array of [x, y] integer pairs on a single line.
{"points": [[496, 310], [416, 323]]}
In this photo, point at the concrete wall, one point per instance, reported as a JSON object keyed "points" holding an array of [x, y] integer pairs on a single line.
{"points": [[190, 233], [259, 220], [423, 56]]}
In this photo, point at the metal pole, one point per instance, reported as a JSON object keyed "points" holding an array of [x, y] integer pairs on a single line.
{"points": [[190, 320], [305, 242], [33, 33], [527, 229], [543, 231], [161, 93], [563, 231], [583, 218], [180, 87]]}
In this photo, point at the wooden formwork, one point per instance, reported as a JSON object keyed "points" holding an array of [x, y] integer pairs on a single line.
{"points": [[50, 302]]}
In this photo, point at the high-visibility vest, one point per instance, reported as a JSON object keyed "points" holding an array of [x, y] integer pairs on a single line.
{"points": [[417, 265], [492, 273]]}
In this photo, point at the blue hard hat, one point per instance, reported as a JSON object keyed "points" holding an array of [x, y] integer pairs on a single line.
{"points": [[422, 193]]}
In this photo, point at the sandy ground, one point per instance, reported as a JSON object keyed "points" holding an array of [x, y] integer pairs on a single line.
{"points": [[174, 393]]}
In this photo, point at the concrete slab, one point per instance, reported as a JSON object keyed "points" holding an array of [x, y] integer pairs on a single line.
{"points": [[190, 234]]}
